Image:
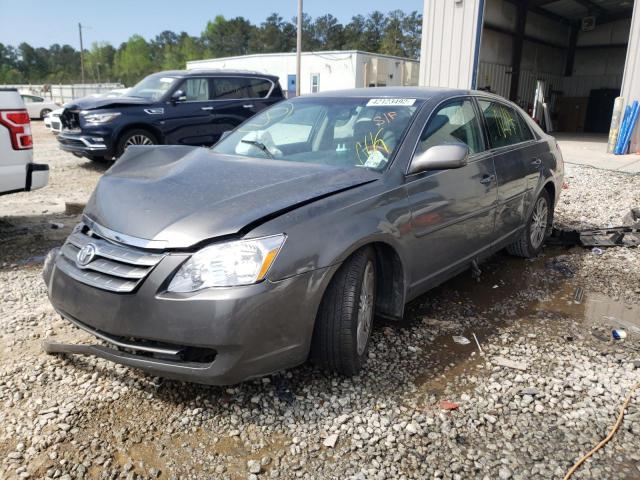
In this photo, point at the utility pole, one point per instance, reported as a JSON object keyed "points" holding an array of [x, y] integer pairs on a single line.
{"points": [[298, 48], [81, 52]]}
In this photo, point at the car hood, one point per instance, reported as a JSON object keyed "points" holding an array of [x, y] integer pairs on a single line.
{"points": [[89, 103], [180, 196]]}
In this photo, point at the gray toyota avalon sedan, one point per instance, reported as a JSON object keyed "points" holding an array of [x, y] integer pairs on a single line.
{"points": [[286, 239]]}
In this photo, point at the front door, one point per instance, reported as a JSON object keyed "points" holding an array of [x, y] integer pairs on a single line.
{"points": [[188, 122], [452, 211]]}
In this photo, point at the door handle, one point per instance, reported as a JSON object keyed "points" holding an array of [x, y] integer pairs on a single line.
{"points": [[248, 105], [206, 108], [537, 162], [487, 179]]}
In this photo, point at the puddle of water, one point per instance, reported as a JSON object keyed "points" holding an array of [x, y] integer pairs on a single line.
{"points": [[514, 283]]}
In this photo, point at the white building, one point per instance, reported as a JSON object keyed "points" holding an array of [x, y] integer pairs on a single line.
{"points": [[323, 71], [587, 52]]}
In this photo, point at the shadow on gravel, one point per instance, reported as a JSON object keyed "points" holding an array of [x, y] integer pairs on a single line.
{"points": [[24, 237], [94, 165]]}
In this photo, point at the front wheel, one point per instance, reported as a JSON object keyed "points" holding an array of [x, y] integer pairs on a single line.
{"points": [[44, 113], [532, 237], [135, 137], [345, 317]]}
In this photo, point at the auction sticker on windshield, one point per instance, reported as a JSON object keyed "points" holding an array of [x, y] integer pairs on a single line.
{"points": [[389, 102]]}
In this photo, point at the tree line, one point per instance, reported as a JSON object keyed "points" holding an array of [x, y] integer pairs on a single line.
{"points": [[393, 33]]}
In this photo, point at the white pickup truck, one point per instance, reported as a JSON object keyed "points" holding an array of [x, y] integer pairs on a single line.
{"points": [[18, 173]]}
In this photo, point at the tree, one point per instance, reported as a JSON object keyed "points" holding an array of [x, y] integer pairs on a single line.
{"points": [[329, 32], [134, 60], [353, 34], [374, 31], [224, 38], [98, 62]]}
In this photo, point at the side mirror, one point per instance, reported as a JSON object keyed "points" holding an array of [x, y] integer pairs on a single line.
{"points": [[178, 96], [440, 157]]}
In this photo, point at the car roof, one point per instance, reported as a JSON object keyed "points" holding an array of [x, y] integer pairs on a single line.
{"points": [[422, 93], [220, 73]]}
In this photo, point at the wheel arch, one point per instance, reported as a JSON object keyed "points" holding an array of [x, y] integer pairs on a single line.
{"points": [[391, 279]]}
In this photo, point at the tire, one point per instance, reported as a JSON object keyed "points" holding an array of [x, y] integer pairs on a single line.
{"points": [[345, 317], [44, 113], [538, 225], [137, 136]]}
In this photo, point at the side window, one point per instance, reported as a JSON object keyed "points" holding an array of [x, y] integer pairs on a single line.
{"points": [[455, 122], [196, 89], [503, 124], [526, 131], [27, 98], [260, 87], [37, 99], [230, 88]]}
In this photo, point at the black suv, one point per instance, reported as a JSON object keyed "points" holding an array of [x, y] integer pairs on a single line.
{"points": [[192, 107]]}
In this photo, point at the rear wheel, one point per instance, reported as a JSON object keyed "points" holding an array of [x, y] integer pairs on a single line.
{"points": [[532, 237], [135, 137], [45, 112], [345, 317]]}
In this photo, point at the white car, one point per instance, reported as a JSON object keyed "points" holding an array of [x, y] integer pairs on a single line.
{"points": [[18, 173], [38, 107], [52, 121]]}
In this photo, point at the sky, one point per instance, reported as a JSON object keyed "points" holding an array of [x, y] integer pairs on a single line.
{"points": [[44, 22]]}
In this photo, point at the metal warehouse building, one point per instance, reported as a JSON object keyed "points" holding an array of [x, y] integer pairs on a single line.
{"points": [[322, 71], [583, 53]]}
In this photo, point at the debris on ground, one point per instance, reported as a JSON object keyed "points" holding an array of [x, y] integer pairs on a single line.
{"points": [[447, 405], [331, 440], [618, 334], [461, 340], [606, 237], [505, 362]]}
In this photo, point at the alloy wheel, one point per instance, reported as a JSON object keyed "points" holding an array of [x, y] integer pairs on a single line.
{"points": [[365, 308], [539, 222], [138, 140]]}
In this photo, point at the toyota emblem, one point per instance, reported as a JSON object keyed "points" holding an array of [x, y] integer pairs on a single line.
{"points": [[86, 254]]}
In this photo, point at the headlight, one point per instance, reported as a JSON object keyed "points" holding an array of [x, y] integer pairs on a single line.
{"points": [[240, 262], [96, 118]]}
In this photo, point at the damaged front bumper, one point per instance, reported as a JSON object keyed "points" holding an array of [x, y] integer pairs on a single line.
{"points": [[216, 336]]}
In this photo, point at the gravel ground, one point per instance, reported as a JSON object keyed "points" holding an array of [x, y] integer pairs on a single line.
{"points": [[426, 406]]}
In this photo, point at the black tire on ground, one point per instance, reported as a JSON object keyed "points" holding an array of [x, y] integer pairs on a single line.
{"points": [[342, 331], [530, 242], [44, 112], [136, 136]]}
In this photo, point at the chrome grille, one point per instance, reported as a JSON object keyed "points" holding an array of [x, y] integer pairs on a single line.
{"points": [[116, 268]]}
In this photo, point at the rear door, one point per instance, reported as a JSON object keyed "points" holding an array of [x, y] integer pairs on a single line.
{"points": [[513, 150], [189, 122], [452, 211]]}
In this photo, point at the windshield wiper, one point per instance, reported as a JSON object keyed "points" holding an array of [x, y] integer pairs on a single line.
{"points": [[261, 146]]}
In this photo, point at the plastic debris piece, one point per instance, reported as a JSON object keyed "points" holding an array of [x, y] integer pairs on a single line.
{"points": [[505, 362], [597, 251], [461, 340], [331, 440], [447, 405], [618, 334]]}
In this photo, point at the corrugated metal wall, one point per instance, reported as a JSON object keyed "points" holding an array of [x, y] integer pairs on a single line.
{"points": [[498, 78], [450, 29]]}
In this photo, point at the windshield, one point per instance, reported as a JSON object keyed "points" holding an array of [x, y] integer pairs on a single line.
{"points": [[152, 87], [347, 132]]}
